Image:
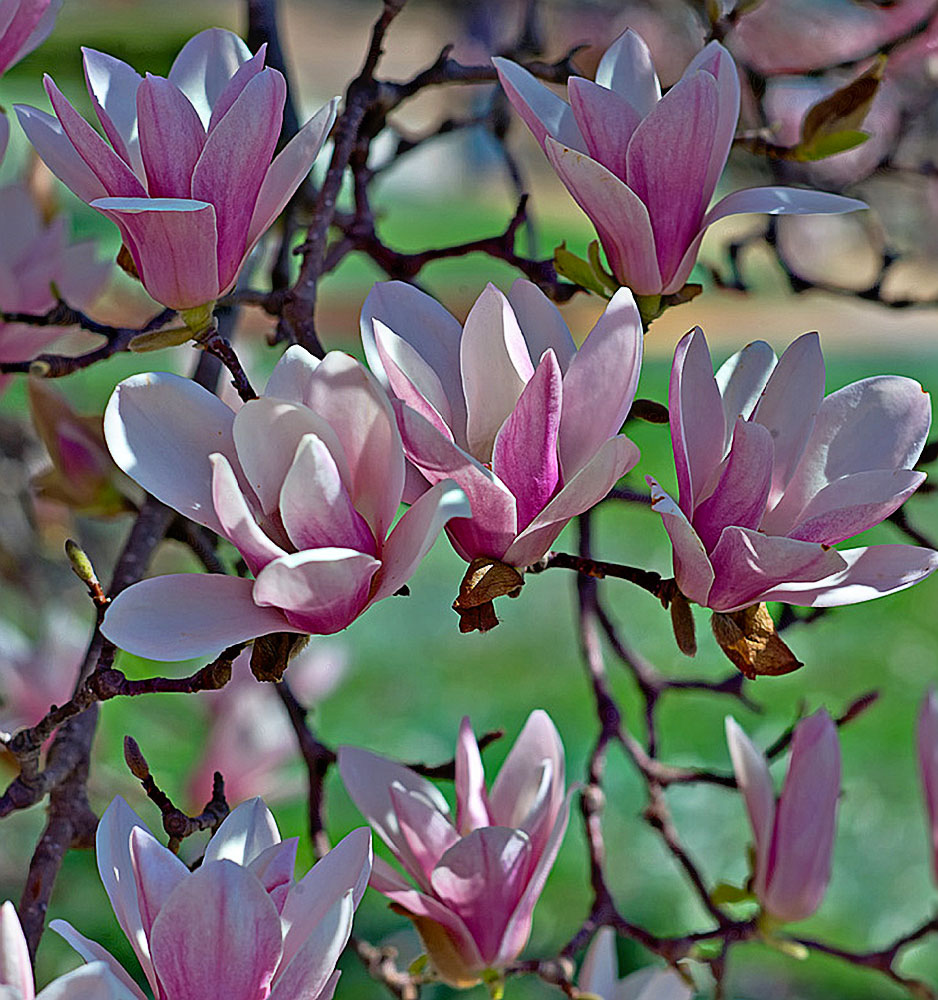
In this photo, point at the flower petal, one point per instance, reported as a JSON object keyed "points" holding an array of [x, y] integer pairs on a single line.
{"points": [[599, 973], [627, 69], [692, 569], [781, 201], [606, 120], [171, 138], [156, 870], [91, 951], [236, 519], [183, 615], [755, 784], [248, 831], [112, 85], [205, 65], [542, 325], [95, 981], [15, 968], [471, 798], [741, 379], [541, 109], [308, 971], [428, 833], [927, 746]]}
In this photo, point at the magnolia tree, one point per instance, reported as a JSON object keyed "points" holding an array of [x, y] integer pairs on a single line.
{"points": [[318, 497]]}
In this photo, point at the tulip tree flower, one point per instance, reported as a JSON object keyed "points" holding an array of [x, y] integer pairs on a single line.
{"points": [[187, 177], [508, 407], [24, 26], [479, 875], [794, 836], [928, 765], [644, 167], [305, 482], [238, 926], [771, 474], [90, 982], [599, 975]]}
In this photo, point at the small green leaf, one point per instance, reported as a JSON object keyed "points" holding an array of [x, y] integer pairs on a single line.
{"points": [[830, 145], [597, 265], [418, 965], [726, 893], [568, 265]]}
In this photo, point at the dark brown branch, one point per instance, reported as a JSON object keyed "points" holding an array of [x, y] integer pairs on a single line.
{"points": [[447, 771]]}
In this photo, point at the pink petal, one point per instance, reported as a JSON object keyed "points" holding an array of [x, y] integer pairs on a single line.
{"points": [[495, 367], [288, 170], [600, 383], [613, 460], [740, 495], [236, 520], [542, 325], [156, 870], [471, 799], [541, 109], [524, 456], [607, 122], [4, 135], [49, 140], [291, 375], [414, 534], [481, 878], [320, 591], [871, 572], [599, 973], [927, 746], [627, 69], [741, 379], [171, 138], [427, 832], [112, 85], [233, 89], [692, 569], [218, 934], [799, 862], [28, 24], [668, 161], [654, 984], [619, 215], [697, 421], [274, 867], [755, 784], [15, 968], [185, 615], [748, 565], [89, 982], [161, 429], [248, 831], [205, 65], [91, 951], [799, 375], [315, 506], [781, 201], [172, 241], [308, 972]]}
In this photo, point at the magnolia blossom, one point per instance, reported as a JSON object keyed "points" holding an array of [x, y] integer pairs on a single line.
{"points": [[794, 836], [928, 765], [187, 177], [508, 407], [599, 975], [90, 982], [238, 926], [644, 167], [249, 738], [305, 481], [478, 876], [771, 474], [40, 255], [24, 26]]}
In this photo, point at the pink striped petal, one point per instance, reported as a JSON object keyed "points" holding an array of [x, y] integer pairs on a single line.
{"points": [[471, 799], [541, 109], [427, 832], [244, 74], [542, 325], [607, 122], [692, 569], [927, 746], [237, 521], [15, 968], [171, 138], [741, 379], [274, 867], [247, 832], [156, 870], [112, 85], [27, 24], [627, 69], [91, 951], [4, 134], [755, 784], [205, 65], [184, 615], [310, 969]]}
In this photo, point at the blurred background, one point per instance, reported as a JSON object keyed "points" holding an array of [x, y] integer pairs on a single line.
{"points": [[401, 678]]}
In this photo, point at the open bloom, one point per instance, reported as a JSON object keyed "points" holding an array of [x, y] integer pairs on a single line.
{"points": [[24, 26], [771, 474], [794, 837], [187, 177], [928, 765], [508, 407], [478, 877], [238, 926], [305, 481], [599, 975], [90, 982], [644, 167]]}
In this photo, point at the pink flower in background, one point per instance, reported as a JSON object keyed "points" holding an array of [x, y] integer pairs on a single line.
{"points": [[238, 926], [188, 177], [794, 836], [599, 975], [305, 481], [644, 167], [90, 982], [771, 474], [249, 738], [508, 407], [928, 765], [478, 876], [24, 26], [29, 265]]}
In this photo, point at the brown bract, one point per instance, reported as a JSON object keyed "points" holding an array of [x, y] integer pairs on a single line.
{"points": [[485, 579], [749, 639], [272, 653]]}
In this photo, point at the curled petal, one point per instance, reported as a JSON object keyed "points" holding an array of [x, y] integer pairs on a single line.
{"points": [[541, 109], [693, 571]]}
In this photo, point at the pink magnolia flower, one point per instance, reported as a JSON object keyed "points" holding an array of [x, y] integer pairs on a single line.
{"points": [[599, 975], [771, 474], [644, 167], [794, 837], [305, 481], [249, 737], [238, 926], [508, 407], [188, 177], [928, 765], [478, 877], [24, 26], [90, 982], [40, 255]]}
